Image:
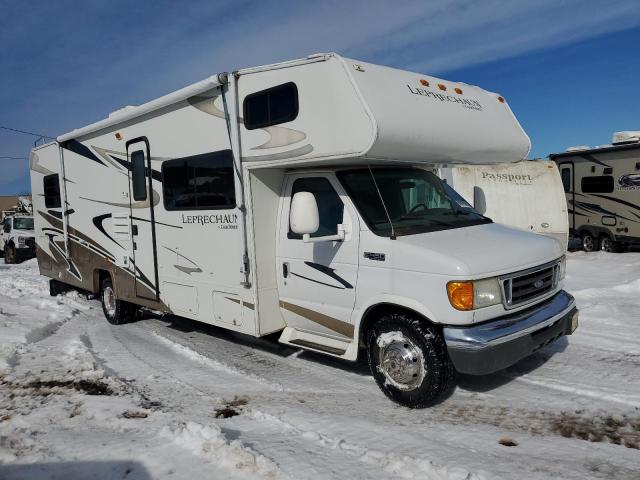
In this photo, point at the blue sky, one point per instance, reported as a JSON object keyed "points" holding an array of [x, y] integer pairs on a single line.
{"points": [[568, 68]]}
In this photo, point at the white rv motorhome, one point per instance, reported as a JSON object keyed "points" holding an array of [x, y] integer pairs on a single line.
{"points": [[602, 186], [299, 198], [528, 195]]}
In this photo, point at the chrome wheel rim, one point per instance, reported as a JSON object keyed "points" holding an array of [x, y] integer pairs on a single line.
{"points": [[402, 363], [606, 245], [109, 301], [587, 243]]}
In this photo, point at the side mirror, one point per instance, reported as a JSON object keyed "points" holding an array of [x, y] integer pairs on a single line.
{"points": [[304, 217], [479, 200]]}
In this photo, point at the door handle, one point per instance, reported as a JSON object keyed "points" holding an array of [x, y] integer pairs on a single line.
{"points": [[285, 269], [134, 229]]}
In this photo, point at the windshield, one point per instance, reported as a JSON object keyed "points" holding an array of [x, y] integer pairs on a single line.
{"points": [[415, 200], [23, 223]]}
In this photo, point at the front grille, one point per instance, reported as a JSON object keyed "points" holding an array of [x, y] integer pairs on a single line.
{"points": [[524, 287]]}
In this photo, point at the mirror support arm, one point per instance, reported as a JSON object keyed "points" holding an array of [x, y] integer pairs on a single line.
{"points": [[340, 236]]}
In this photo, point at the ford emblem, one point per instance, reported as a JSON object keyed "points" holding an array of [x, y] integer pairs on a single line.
{"points": [[538, 284]]}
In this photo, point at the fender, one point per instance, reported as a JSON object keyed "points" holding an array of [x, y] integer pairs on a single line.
{"points": [[388, 299]]}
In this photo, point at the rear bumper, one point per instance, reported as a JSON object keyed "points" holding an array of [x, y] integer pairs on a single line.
{"points": [[497, 344]]}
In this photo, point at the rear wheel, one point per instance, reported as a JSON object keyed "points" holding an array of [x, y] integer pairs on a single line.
{"points": [[9, 254], [409, 360], [607, 245], [115, 311], [588, 242]]}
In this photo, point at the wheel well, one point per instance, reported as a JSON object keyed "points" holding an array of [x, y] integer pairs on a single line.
{"points": [[98, 277], [374, 312]]}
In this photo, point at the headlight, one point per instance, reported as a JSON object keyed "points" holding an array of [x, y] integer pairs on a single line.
{"points": [[563, 267], [471, 295], [22, 240]]}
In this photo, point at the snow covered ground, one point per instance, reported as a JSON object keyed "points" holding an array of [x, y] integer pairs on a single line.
{"points": [[169, 398]]}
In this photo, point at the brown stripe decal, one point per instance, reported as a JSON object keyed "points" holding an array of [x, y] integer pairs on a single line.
{"points": [[250, 306], [331, 323]]}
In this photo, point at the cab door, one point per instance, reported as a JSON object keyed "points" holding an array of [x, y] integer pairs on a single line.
{"points": [[143, 234], [317, 281]]}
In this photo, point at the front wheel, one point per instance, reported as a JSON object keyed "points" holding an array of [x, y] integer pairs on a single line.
{"points": [[409, 360], [588, 243], [115, 311]]}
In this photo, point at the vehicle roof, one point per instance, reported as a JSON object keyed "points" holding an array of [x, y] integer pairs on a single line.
{"points": [[607, 148]]}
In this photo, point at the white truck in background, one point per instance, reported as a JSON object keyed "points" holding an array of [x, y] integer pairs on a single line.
{"points": [[528, 195], [300, 198], [17, 240]]}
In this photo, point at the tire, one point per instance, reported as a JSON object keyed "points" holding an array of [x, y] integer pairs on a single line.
{"points": [[409, 361], [115, 311], [588, 242], [9, 255], [606, 244]]}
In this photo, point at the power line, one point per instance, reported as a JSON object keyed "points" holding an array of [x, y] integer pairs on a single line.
{"points": [[25, 132], [12, 158]]}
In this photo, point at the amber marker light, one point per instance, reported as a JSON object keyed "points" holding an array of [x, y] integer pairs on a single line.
{"points": [[442, 87], [458, 90], [460, 295], [501, 99], [424, 83], [118, 136]]}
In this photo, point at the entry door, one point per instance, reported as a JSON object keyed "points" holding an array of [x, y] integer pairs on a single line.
{"points": [[317, 281], [566, 173], [143, 235]]}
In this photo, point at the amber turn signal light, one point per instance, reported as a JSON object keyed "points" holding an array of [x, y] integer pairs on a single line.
{"points": [[460, 295]]}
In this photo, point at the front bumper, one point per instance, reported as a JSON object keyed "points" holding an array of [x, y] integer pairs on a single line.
{"points": [[497, 344]]}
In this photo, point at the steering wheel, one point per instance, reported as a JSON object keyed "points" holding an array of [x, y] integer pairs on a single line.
{"points": [[416, 206]]}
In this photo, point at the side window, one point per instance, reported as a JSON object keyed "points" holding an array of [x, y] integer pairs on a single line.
{"points": [[597, 184], [271, 107], [330, 207], [138, 175], [200, 182], [565, 173], [51, 185], [7, 225]]}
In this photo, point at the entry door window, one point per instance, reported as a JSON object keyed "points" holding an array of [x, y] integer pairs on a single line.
{"points": [[566, 179], [330, 207]]}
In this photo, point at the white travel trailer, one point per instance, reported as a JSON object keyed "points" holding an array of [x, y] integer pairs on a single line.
{"points": [[527, 194], [602, 186], [298, 198]]}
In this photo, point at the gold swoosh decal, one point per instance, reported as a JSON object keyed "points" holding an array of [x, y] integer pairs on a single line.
{"points": [[343, 328], [278, 136]]}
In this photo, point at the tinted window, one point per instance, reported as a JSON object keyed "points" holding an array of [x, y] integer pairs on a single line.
{"points": [[598, 184], [271, 107], [406, 201], [566, 179], [7, 225], [52, 191], [23, 223], [138, 175], [330, 207], [200, 182]]}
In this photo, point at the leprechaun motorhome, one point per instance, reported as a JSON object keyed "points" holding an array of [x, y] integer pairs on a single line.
{"points": [[298, 198], [528, 195], [602, 186]]}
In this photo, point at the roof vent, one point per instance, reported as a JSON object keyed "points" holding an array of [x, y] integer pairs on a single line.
{"points": [[578, 148], [122, 110], [626, 137]]}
